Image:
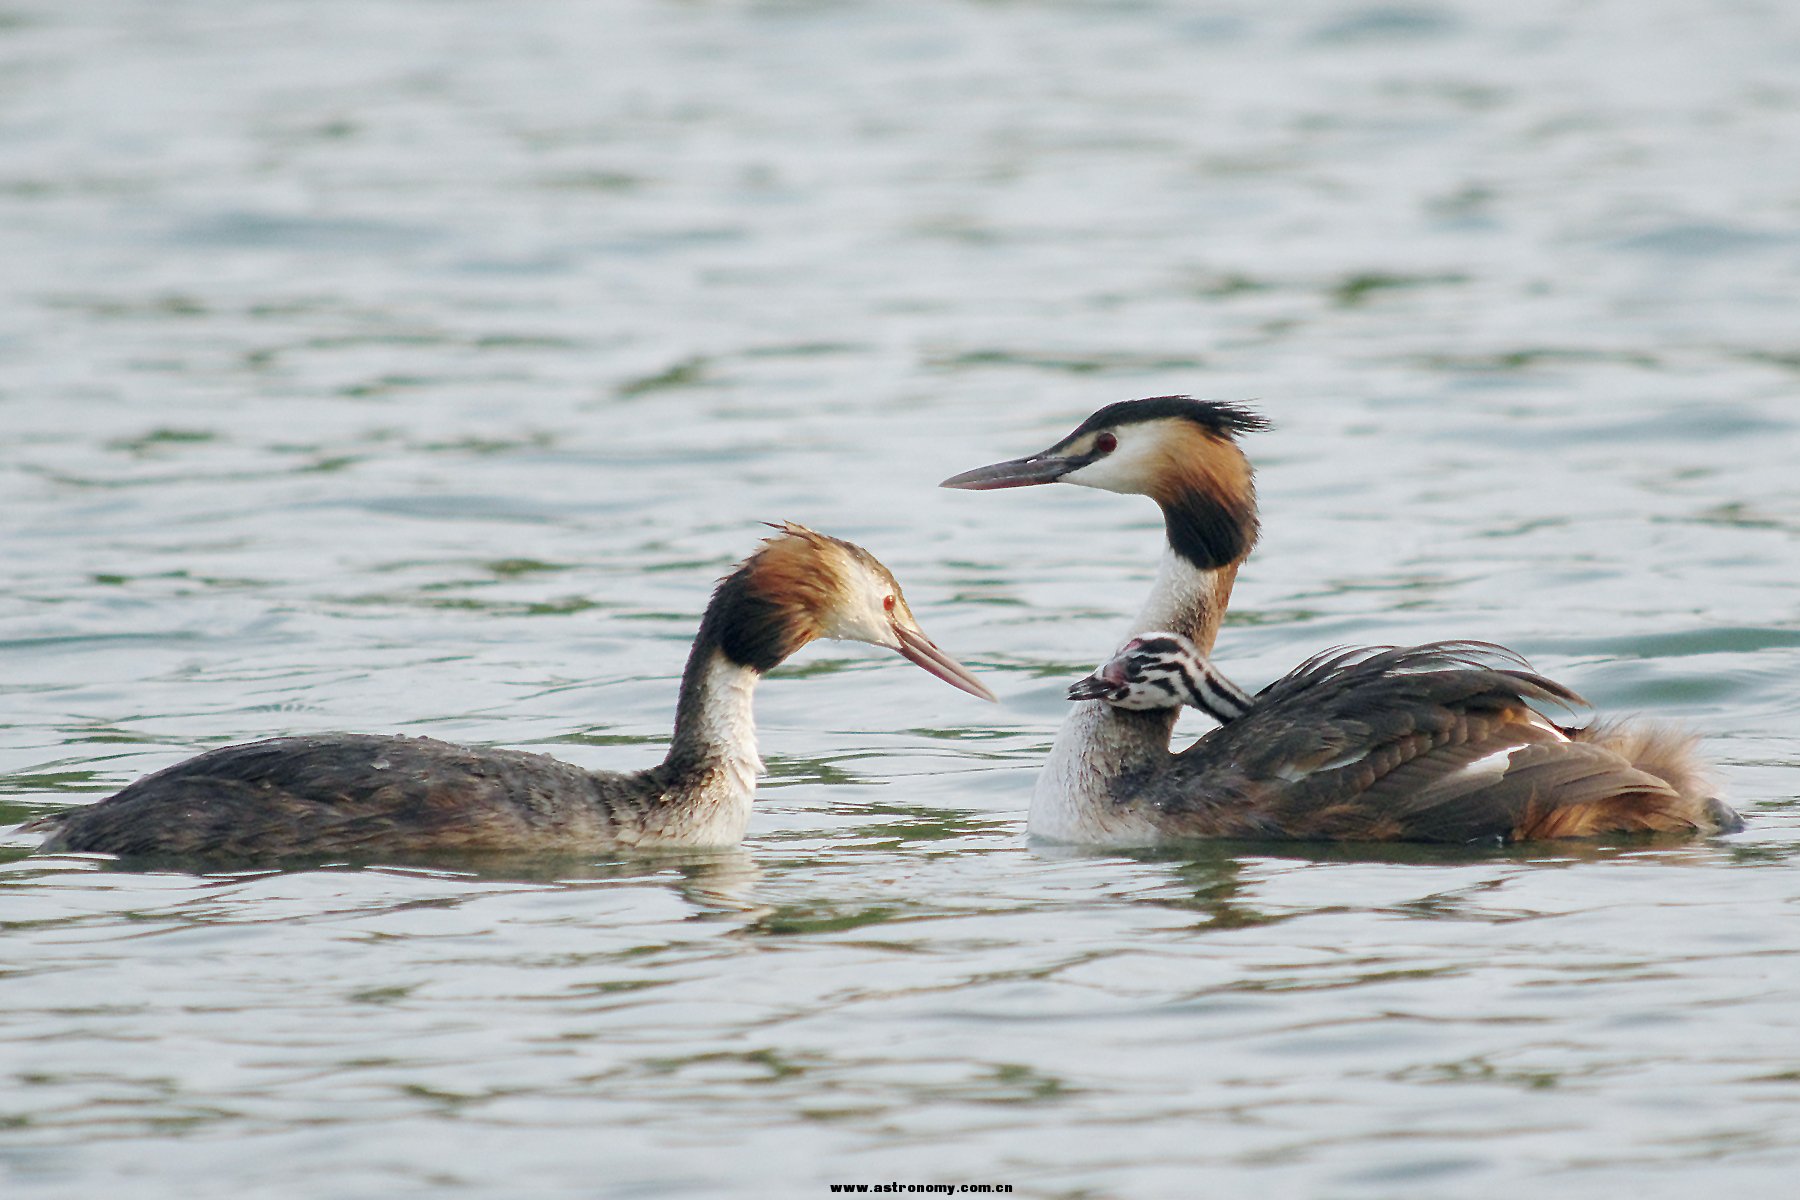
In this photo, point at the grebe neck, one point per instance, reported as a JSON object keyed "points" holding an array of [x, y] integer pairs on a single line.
{"points": [[714, 722], [1099, 744], [1187, 599], [709, 777]]}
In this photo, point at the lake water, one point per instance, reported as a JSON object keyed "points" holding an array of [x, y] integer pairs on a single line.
{"points": [[418, 367]]}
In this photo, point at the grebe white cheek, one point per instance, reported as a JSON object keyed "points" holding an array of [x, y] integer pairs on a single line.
{"points": [[1429, 743], [369, 795]]}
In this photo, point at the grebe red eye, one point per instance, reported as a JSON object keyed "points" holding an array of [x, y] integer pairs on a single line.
{"points": [[1106, 443], [888, 603]]}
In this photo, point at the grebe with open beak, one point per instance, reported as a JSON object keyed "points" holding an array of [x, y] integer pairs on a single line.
{"points": [[1369, 752], [363, 795]]}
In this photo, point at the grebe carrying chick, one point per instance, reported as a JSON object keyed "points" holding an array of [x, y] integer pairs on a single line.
{"points": [[365, 795], [1330, 750], [1435, 743]]}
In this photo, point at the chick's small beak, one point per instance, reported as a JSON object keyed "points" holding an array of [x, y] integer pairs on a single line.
{"points": [[1098, 686], [918, 648], [1018, 472]]}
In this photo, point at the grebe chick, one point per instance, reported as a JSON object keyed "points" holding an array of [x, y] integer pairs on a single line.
{"points": [[1164, 670], [366, 795], [1110, 778], [1436, 743]]}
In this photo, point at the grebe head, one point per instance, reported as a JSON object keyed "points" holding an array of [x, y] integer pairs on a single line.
{"points": [[1179, 451], [1164, 670], [1156, 670], [801, 585]]}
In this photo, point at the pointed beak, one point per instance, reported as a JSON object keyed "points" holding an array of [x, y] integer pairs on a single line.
{"points": [[1099, 685], [918, 648], [1019, 472]]}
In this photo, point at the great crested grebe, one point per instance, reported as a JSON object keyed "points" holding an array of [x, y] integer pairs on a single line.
{"points": [[371, 794], [1110, 778], [1327, 751], [1161, 669]]}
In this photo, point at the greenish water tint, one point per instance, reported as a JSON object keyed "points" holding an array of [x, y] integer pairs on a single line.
{"points": [[419, 368]]}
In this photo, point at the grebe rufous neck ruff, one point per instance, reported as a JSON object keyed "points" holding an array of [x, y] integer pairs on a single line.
{"points": [[366, 795], [1383, 740]]}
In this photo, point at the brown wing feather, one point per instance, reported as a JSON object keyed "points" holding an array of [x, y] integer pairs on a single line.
{"points": [[1436, 743], [341, 793]]}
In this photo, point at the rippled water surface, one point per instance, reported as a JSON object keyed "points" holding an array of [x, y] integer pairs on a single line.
{"points": [[417, 367]]}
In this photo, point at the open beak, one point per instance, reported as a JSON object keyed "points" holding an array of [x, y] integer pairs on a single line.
{"points": [[1019, 472], [920, 649], [1098, 686]]}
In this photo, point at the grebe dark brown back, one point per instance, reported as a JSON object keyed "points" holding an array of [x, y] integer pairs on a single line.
{"points": [[1110, 778], [1446, 742], [362, 795]]}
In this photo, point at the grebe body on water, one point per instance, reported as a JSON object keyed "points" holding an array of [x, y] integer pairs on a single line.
{"points": [[1110, 778], [361, 795], [1331, 750]]}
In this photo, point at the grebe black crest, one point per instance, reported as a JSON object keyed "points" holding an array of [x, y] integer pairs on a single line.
{"points": [[372, 795], [1443, 742], [1179, 451]]}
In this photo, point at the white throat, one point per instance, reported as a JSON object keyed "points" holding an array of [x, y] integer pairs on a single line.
{"points": [[1183, 600], [728, 720], [718, 735]]}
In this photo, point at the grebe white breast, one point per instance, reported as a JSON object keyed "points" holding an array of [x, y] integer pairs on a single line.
{"points": [[370, 794], [1110, 778]]}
